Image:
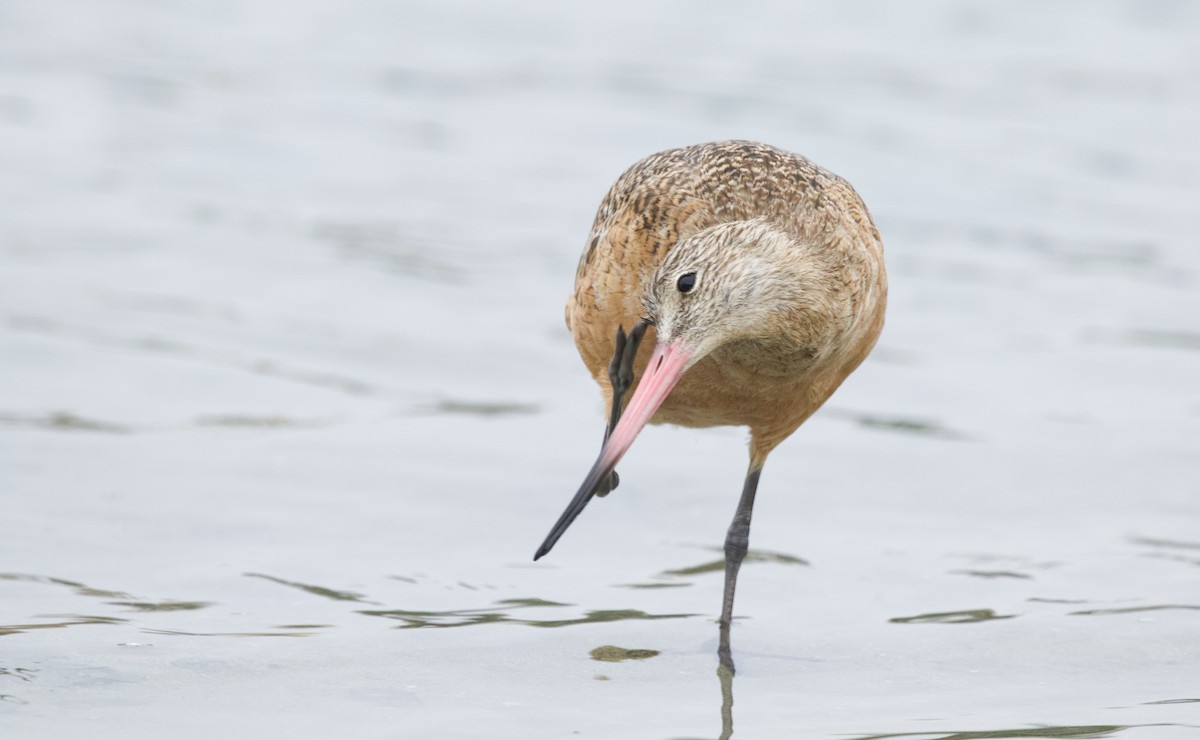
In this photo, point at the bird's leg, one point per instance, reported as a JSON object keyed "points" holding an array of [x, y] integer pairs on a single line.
{"points": [[620, 377], [737, 542]]}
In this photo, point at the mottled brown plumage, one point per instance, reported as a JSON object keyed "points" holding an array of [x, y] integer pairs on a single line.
{"points": [[762, 280], [679, 194]]}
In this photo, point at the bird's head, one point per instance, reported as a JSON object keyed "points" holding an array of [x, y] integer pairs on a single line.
{"points": [[734, 281]]}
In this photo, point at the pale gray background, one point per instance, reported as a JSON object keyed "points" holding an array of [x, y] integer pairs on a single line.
{"points": [[283, 369]]}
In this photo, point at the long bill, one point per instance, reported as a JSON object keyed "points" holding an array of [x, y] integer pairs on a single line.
{"points": [[664, 370]]}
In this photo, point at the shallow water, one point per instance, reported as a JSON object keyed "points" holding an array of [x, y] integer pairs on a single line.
{"points": [[283, 357]]}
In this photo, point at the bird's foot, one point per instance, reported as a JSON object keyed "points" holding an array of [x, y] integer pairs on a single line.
{"points": [[608, 485], [620, 368], [620, 378]]}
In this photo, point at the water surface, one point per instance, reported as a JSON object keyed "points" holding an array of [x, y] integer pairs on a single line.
{"points": [[287, 403]]}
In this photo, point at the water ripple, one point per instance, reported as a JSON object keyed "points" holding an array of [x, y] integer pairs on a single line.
{"points": [[77, 587], [163, 606], [1079, 732], [184, 633], [752, 556], [413, 619], [328, 593], [963, 617], [1135, 609], [69, 620]]}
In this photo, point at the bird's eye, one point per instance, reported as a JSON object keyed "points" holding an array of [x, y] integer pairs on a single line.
{"points": [[686, 282]]}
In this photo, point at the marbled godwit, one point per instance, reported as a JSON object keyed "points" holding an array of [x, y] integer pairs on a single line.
{"points": [[762, 276]]}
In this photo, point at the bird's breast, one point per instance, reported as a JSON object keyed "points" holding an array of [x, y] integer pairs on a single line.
{"points": [[742, 383]]}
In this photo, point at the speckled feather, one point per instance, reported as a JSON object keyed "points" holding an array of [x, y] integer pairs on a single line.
{"points": [[792, 261]]}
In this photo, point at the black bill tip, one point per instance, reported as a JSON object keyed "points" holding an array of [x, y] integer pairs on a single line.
{"points": [[599, 471]]}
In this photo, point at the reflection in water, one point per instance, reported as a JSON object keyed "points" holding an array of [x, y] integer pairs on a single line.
{"points": [[1133, 609], [217, 356], [71, 422], [725, 676], [69, 620], [921, 427], [614, 654], [1177, 557], [327, 593], [77, 587], [963, 617], [752, 556], [184, 633], [532, 601], [1080, 732], [484, 408], [909, 426], [1171, 547], [61, 420], [22, 674], [499, 613], [162, 606], [991, 574], [1172, 544], [1012, 563], [259, 421]]}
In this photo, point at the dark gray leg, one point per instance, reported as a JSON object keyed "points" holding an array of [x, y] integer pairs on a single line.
{"points": [[737, 542], [620, 377]]}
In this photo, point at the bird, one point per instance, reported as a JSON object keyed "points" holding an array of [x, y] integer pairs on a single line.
{"points": [[759, 279]]}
